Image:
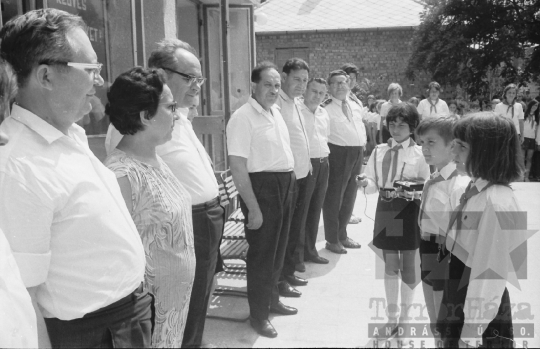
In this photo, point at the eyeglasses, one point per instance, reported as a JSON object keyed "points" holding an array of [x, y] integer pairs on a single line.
{"points": [[171, 106], [189, 78], [94, 68]]}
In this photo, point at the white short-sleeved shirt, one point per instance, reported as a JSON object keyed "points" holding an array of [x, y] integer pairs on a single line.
{"points": [[425, 109], [438, 204], [318, 130], [386, 107], [261, 137], [411, 164], [490, 231], [65, 218], [506, 111], [186, 157], [345, 132], [290, 111], [17, 317], [529, 128]]}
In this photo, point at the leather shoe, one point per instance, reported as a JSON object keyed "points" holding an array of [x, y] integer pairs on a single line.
{"points": [[300, 267], [283, 309], [295, 280], [286, 290], [263, 327], [318, 260]]}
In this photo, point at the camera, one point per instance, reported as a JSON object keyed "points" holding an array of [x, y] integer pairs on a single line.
{"points": [[409, 185]]}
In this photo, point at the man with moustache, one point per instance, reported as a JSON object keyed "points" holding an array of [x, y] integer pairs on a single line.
{"points": [[262, 165], [346, 143], [294, 79], [190, 163], [78, 251]]}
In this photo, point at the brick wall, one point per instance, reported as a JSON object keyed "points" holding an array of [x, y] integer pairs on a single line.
{"points": [[382, 55]]}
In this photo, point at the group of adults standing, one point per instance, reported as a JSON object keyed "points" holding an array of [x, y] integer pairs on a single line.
{"points": [[114, 255]]}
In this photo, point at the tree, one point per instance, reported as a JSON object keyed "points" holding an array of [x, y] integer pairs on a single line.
{"points": [[473, 43]]}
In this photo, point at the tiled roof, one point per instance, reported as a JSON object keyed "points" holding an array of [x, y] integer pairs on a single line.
{"points": [[297, 15]]}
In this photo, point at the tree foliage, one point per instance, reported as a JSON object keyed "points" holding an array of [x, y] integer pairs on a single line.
{"points": [[466, 42]]}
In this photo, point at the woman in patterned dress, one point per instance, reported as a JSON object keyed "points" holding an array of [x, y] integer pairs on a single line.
{"points": [[142, 108]]}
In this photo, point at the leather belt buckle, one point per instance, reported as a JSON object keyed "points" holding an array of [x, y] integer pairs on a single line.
{"points": [[321, 160]]}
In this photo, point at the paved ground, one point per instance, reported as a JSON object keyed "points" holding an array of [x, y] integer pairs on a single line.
{"points": [[341, 297]]}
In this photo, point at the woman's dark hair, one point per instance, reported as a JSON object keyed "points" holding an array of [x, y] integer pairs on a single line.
{"points": [[495, 151], [135, 91], [536, 112], [373, 107], [407, 112]]}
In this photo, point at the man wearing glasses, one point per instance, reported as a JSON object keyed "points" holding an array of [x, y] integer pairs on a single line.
{"points": [[76, 246], [188, 160], [346, 142]]}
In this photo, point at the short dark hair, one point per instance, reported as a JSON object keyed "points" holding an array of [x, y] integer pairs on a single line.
{"points": [[295, 64], [8, 87], [442, 125], [407, 112], [259, 68], [135, 91], [163, 56], [435, 85], [350, 68], [336, 73], [318, 80], [37, 37], [495, 151]]}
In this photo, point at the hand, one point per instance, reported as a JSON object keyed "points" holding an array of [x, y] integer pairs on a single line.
{"points": [[255, 219], [521, 139]]}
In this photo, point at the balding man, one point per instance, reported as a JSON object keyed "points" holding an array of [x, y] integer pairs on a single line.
{"points": [[262, 167], [188, 160]]}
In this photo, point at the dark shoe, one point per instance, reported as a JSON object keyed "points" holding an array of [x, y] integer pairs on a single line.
{"points": [[318, 260], [295, 280], [335, 248], [283, 309], [263, 327], [350, 243], [300, 267], [286, 290]]}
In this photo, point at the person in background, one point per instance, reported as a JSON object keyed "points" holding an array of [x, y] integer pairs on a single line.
{"points": [[530, 126], [346, 143], [454, 109], [414, 101], [77, 249], [353, 74], [433, 105], [318, 130], [142, 108], [193, 112], [509, 108], [188, 160], [394, 94], [17, 316], [262, 166]]}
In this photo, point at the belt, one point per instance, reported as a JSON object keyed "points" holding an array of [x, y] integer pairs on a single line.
{"points": [[321, 160], [394, 194], [206, 205], [129, 298]]}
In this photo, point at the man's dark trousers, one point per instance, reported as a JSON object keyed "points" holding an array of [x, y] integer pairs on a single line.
{"points": [[315, 192], [296, 232], [274, 193], [345, 164], [207, 231]]}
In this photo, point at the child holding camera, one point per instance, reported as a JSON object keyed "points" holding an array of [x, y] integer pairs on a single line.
{"points": [[396, 230]]}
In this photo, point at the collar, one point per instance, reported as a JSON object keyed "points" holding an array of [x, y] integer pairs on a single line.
{"points": [[258, 107], [480, 183], [285, 96], [404, 144], [390, 102], [447, 170], [433, 103], [40, 126]]}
